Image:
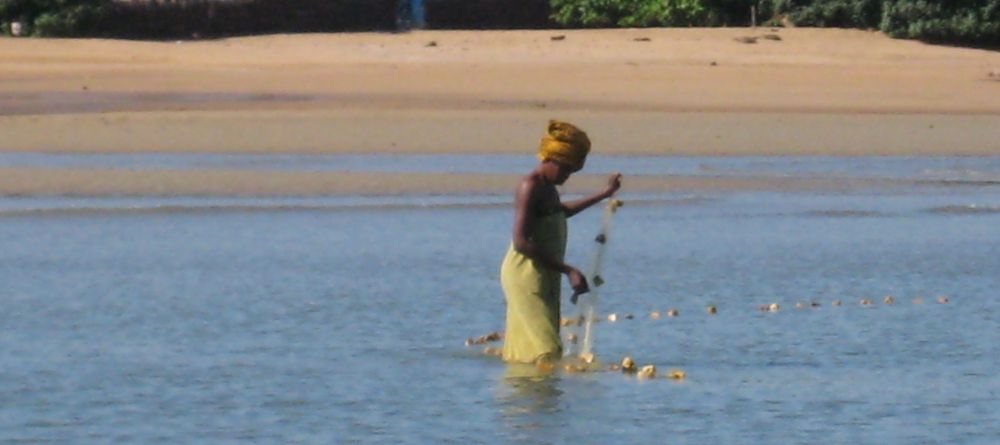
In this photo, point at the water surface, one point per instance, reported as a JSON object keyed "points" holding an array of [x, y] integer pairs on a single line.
{"points": [[335, 320], [972, 168]]}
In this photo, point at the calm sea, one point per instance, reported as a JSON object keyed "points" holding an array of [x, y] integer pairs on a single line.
{"points": [[342, 320]]}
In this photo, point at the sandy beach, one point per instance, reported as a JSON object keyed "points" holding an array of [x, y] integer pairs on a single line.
{"points": [[648, 92]]}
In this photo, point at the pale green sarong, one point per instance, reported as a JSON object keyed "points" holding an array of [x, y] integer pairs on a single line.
{"points": [[532, 293]]}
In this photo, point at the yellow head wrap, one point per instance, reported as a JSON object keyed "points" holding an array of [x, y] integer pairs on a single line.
{"points": [[565, 144]]}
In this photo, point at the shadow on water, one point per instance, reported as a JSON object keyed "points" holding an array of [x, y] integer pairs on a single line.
{"points": [[529, 400]]}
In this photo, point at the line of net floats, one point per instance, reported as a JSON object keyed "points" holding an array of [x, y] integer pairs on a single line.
{"points": [[888, 300], [588, 362]]}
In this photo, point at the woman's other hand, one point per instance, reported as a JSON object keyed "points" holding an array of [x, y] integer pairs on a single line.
{"points": [[578, 282]]}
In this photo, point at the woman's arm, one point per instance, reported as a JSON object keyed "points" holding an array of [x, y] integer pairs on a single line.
{"points": [[525, 201], [574, 207]]}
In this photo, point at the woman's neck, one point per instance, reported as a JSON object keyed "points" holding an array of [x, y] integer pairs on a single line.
{"points": [[548, 171]]}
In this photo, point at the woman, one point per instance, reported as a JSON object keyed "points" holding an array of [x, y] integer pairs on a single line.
{"points": [[531, 271]]}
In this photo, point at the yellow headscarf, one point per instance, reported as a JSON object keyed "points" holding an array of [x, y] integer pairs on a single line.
{"points": [[565, 144]]}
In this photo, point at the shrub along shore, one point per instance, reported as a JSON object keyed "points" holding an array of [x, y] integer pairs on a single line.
{"points": [[963, 22]]}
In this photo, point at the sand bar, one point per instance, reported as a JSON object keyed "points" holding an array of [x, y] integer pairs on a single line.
{"points": [[506, 131], [676, 70], [682, 92]]}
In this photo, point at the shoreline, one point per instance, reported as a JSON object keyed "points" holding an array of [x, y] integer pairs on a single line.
{"points": [[40, 182]]}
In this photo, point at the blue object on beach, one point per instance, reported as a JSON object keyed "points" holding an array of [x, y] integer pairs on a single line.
{"points": [[417, 11], [410, 14]]}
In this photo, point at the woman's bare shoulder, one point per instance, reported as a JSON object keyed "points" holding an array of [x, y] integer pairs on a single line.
{"points": [[529, 184]]}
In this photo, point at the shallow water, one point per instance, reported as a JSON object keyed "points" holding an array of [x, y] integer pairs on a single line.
{"points": [[322, 320], [972, 168]]}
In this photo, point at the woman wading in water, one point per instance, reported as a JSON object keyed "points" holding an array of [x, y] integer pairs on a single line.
{"points": [[530, 274]]}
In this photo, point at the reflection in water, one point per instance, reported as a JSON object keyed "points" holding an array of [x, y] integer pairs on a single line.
{"points": [[528, 401]]}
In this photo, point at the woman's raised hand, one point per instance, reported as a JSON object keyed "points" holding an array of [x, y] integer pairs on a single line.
{"points": [[614, 183]]}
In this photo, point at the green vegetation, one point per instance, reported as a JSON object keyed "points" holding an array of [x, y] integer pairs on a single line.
{"points": [[971, 22], [54, 17], [619, 13], [864, 14], [960, 22], [966, 22]]}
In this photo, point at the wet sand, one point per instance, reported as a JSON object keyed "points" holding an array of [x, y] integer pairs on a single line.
{"points": [[684, 92]]}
